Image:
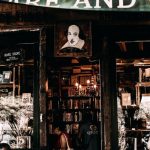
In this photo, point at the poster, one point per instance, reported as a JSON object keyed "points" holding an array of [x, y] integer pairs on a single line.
{"points": [[73, 39]]}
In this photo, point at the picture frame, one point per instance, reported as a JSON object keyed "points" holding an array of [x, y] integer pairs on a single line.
{"points": [[83, 79], [1, 78], [65, 45], [74, 79], [26, 98], [145, 99], [23, 141], [6, 76], [126, 99]]}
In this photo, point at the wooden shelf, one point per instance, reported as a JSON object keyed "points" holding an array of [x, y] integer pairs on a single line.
{"points": [[73, 97], [138, 91], [130, 107], [5, 85], [138, 130], [144, 84]]}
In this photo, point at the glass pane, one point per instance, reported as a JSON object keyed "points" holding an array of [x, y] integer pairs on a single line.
{"points": [[16, 95], [133, 103]]}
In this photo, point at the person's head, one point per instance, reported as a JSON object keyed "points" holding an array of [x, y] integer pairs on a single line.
{"points": [[73, 34], [87, 116], [58, 128]]}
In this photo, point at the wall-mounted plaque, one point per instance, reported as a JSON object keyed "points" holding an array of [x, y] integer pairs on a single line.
{"points": [[26, 98], [6, 76], [126, 99]]}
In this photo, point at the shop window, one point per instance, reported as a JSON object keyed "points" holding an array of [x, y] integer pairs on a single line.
{"points": [[16, 94], [133, 103]]}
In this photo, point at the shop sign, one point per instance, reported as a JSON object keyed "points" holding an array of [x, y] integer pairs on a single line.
{"points": [[12, 56], [100, 5]]}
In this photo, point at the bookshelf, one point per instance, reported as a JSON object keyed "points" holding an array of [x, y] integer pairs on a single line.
{"points": [[70, 110]]}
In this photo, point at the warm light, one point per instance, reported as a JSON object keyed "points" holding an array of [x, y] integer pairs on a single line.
{"points": [[88, 81], [80, 86], [95, 86], [76, 84]]}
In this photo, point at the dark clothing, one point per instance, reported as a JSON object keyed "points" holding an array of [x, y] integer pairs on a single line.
{"points": [[89, 136], [4, 146]]}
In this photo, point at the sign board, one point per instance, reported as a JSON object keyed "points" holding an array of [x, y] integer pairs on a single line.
{"points": [[126, 99], [98, 5], [12, 56]]}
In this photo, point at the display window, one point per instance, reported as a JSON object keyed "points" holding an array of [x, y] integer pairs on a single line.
{"points": [[133, 98], [16, 91]]}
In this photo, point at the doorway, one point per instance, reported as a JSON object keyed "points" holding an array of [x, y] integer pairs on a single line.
{"points": [[74, 89]]}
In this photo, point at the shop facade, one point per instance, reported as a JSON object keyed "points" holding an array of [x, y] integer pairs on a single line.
{"points": [[42, 83]]}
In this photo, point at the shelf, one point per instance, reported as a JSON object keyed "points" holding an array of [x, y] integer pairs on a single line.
{"points": [[72, 97], [130, 107], [138, 130], [73, 109], [5, 85], [145, 84]]}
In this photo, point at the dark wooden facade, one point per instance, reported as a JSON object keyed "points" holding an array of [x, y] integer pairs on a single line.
{"points": [[107, 27]]}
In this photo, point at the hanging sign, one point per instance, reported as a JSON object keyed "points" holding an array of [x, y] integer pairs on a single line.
{"points": [[102, 5], [12, 56]]}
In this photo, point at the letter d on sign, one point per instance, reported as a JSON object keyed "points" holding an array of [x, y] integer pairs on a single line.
{"points": [[126, 6]]}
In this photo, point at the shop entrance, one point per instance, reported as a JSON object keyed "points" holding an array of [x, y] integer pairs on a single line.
{"points": [[74, 90]]}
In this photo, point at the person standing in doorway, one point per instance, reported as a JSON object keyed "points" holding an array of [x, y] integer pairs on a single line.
{"points": [[89, 133]]}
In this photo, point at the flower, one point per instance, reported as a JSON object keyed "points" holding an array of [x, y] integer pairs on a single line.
{"points": [[14, 118], [143, 112]]}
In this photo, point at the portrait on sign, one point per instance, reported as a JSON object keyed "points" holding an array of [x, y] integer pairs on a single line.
{"points": [[73, 39]]}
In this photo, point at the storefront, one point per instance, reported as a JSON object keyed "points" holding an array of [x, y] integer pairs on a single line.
{"points": [[43, 82]]}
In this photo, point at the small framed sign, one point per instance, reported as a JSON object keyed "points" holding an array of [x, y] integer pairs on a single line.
{"points": [[6, 76], [12, 56], [23, 142], [26, 98], [73, 39], [145, 99], [126, 99]]}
